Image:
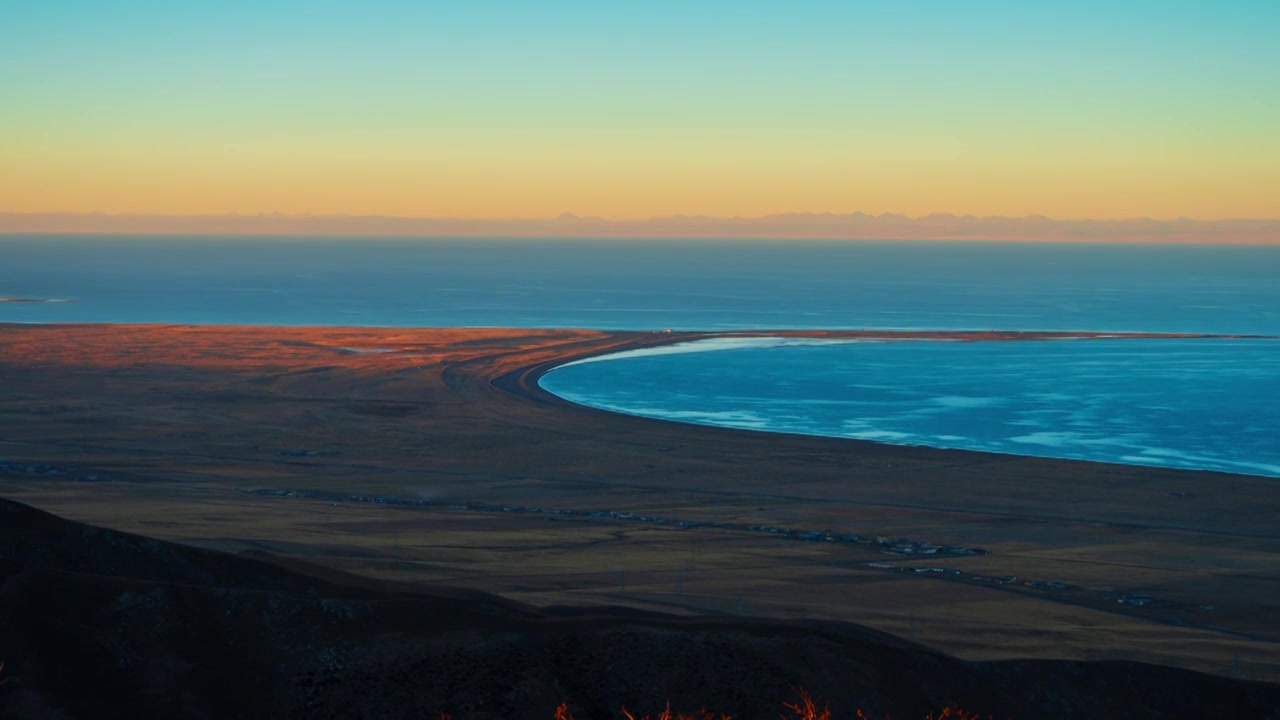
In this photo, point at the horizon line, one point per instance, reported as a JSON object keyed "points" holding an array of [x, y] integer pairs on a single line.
{"points": [[569, 215], [786, 226]]}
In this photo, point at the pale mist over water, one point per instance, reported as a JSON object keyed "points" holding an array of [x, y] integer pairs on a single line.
{"points": [[1204, 404]]}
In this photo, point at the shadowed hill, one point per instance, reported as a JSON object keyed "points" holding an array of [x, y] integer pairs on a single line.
{"points": [[100, 624]]}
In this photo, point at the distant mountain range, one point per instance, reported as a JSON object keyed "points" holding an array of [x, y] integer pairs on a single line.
{"points": [[834, 226]]}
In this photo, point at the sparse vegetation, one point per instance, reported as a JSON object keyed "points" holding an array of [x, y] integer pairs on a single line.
{"points": [[804, 708]]}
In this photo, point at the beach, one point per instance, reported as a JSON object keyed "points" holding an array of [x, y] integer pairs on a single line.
{"points": [[432, 456]]}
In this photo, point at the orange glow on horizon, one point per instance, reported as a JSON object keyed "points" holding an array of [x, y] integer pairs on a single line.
{"points": [[731, 179]]}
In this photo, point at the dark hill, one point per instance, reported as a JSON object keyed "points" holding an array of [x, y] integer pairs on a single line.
{"points": [[104, 625]]}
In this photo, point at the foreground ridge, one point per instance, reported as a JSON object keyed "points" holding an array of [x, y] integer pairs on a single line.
{"points": [[98, 624]]}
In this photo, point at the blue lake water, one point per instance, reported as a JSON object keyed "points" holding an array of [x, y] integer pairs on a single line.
{"points": [[1004, 396], [1204, 404]]}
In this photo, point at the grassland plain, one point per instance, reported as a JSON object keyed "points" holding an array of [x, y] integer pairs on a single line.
{"points": [[432, 457]]}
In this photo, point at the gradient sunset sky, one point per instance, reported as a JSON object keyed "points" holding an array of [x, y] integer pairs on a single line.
{"points": [[1085, 109]]}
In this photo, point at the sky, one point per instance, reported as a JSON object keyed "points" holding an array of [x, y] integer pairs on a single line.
{"points": [[1085, 109]]}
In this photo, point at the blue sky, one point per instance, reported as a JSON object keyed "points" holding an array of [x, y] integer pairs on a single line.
{"points": [[1012, 89]]}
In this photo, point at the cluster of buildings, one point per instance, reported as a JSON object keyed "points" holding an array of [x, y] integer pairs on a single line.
{"points": [[1130, 599], [907, 549], [69, 472], [899, 546]]}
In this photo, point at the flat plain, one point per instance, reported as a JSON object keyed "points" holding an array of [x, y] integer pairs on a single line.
{"points": [[430, 456]]}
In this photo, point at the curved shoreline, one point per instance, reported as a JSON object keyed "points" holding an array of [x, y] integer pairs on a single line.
{"points": [[526, 382], [521, 380]]}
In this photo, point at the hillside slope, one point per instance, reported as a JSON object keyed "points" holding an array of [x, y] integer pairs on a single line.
{"points": [[103, 625]]}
